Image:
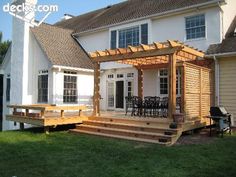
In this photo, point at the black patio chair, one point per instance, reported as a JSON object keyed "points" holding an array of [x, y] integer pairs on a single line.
{"points": [[128, 103], [137, 106], [156, 106], [147, 106], [164, 107]]}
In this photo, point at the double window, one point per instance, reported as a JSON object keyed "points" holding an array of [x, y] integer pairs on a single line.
{"points": [[129, 36], [70, 87], [43, 88], [195, 27]]}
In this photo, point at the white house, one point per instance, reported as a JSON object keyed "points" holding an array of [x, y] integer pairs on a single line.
{"points": [[45, 65], [196, 23], [58, 51]]}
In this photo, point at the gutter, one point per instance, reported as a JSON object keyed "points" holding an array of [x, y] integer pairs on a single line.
{"points": [[217, 2], [228, 54], [72, 68]]}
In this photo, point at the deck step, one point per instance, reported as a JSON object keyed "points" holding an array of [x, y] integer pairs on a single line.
{"points": [[164, 123], [119, 137], [129, 133], [132, 127]]}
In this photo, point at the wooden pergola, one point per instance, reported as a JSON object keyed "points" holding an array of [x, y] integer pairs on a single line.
{"points": [[168, 54]]}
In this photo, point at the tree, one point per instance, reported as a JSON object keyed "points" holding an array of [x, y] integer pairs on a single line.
{"points": [[3, 47]]}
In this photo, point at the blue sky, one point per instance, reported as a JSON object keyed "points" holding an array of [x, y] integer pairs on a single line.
{"points": [[73, 7]]}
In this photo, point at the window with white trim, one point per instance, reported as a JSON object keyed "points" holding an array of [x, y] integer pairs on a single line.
{"points": [[133, 36], [119, 76], [130, 75], [70, 87], [163, 78], [195, 27], [130, 88]]}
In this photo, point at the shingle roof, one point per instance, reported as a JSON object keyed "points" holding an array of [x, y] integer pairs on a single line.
{"points": [[125, 11], [60, 47], [228, 45]]}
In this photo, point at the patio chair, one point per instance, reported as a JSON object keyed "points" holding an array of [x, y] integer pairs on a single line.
{"points": [[156, 106], [147, 106], [164, 106], [137, 106], [128, 103]]}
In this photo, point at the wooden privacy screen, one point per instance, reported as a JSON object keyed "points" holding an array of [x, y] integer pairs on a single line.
{"points": [[198, 91]]}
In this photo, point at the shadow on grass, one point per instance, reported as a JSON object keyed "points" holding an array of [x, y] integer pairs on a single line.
{"points": [[59, 154]]}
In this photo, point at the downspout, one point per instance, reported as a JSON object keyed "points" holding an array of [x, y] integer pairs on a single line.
{"points": [[217, 82]]}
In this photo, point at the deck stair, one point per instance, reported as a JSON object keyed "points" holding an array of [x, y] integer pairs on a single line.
{"points": [[138, 129]]}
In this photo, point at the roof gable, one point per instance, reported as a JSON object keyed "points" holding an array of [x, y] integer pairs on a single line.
{"points": [[60, 47]]}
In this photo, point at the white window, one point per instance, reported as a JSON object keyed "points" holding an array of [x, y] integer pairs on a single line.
{"points": [[110, 76], [110, 95], [130, 75], [119, 76], [43, 88], [163, 76], [130, 88], [195, 27], [70, 87], [130, 36]]}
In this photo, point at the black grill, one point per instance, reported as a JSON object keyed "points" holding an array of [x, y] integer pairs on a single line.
{"points": [[221, 118]]}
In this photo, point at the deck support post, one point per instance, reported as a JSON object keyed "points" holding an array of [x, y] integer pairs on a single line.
{"points": [[22, 126], [140, 83], [96, 97], [46, 130], [172, 85]]}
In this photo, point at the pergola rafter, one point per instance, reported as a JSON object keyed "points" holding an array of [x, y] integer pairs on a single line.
{"points": [[167, 54]]}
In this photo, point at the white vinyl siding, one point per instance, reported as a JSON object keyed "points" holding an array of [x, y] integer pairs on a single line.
{"points": [[228, 84]]}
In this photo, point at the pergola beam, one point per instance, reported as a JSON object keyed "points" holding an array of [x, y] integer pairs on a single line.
{"points": [[135, 55]]}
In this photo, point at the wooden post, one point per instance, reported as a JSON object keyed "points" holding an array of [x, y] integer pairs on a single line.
{"points": [[172, 85], [42, 114], [46, 130], [140, 83], [96, 97], [200, 94], [183, 86], [62, 113], [22, 126]]}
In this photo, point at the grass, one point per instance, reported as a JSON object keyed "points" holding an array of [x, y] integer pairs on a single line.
{"points": [[60, 154]]}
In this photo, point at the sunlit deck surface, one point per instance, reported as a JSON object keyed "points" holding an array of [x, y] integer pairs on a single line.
{"points": [[46, 115]]}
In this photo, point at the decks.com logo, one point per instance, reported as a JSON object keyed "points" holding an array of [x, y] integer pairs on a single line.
{"points": [[26, 11]]}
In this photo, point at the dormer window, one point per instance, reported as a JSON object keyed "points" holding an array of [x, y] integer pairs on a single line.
{"points": [[133, 36]]}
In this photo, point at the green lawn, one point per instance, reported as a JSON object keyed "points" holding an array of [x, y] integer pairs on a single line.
{"points": [[60, 154]]}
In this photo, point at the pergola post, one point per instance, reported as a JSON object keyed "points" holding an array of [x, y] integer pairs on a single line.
{"points": [[140, 83], [172, 85], [183, 88], [96, 98]]}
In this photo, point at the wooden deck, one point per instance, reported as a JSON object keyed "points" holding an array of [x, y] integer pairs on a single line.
{"points": [[143, 129], [46, 115]]}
